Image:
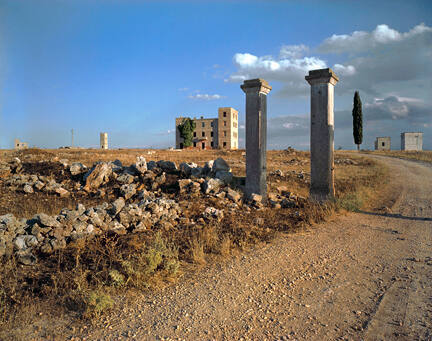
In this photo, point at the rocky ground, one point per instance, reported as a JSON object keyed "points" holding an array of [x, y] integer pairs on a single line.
{"points": [[364, 276], [52, 206]]}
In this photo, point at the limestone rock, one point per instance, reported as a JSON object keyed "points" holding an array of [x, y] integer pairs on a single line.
{"points": [[167, 165], [140, 165], [225, 176], [46, 220], [220, 165], [208, 167], [128, 191], [211, 212], [97, 176], [256, 200], [39, 185], [184, 185], [117, 206], [126, 178], [63, 193], [77, 168], [233, 195], [28, 189], [212, 185], [151, 165], [187, 167]]}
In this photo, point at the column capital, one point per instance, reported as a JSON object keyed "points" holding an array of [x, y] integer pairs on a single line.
{"points": [[256, 85], [321, 76]]}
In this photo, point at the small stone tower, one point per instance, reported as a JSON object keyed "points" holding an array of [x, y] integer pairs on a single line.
{"points": [[104, 140]]}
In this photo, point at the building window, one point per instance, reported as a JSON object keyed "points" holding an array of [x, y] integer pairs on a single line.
{"points": [[225, 133], [235, 124], [194, 144], [211, 124], [235, 134], [224, 144], [224, 115], [211, 134], [383, 144], [194, 133], [224, 123], [211, 144], [203, 134], [203, 124]]}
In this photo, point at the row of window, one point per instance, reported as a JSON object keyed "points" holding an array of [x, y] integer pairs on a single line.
{"points": [[202, 134], [211, 134], [211, 144], [203, 124]]}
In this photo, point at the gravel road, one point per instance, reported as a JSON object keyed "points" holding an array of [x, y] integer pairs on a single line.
{"points": [[363, 276]]}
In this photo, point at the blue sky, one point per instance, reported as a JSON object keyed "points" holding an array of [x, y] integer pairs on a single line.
{"points": [[130, 67]]}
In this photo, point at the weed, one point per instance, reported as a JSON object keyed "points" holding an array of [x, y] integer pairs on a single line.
{"points": [[97, 303], [350, 202]]}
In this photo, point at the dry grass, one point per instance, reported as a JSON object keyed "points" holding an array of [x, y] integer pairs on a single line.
{"points": [[425, 155], [83, 278]]}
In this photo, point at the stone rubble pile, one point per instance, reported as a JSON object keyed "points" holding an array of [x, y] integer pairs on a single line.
{"points": [[45, 234], [139, 205]]}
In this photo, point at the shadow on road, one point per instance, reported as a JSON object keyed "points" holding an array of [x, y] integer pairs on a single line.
{"points": [[395, 215]]}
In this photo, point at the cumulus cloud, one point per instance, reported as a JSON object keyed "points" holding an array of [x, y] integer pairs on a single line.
{"points": [[361, 40], [293, 51], [413, 111], [368, 61], [206, 97], [288, 66]]}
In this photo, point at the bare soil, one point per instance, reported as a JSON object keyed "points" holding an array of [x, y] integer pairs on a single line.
{"points": [[362, 276]]}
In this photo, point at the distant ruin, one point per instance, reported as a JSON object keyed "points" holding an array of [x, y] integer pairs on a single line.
{"points": [[383, 143], [20, 145], [412, 141], [104, 140], [210, 133]]}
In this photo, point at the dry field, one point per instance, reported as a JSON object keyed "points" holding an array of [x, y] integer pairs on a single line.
{"points": [[82, 280], [425, 155]]}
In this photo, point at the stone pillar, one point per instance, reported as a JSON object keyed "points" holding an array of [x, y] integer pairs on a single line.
{"points": [[256, 136], [322, 133]]}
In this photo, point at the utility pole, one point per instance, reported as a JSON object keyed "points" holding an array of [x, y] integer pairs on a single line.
{"points": [[72, 138]]}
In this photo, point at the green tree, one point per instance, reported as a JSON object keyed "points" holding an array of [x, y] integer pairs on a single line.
{"points": [[357, 120], [186, 129]]}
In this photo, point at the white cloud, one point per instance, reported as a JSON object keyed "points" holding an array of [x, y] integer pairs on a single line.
{"points": [[284, 68], [342, 70], [183, 89], [373, 62], [292, 51], [206, 97], [361, 40]]}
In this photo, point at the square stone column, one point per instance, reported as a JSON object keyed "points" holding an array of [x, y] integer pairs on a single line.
{"points": [[256, 136], [322, 133]]}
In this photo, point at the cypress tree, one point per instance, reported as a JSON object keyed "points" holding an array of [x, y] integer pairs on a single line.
{"points": [[357, 120], [186, 129]]}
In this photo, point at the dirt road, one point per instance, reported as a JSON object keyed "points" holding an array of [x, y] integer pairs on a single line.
{"points": [[364, 276]]}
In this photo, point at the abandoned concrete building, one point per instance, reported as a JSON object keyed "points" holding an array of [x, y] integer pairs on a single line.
{"points": [[20, 145], [412, 141], [220, 132], [383, 143], [104, 140]]}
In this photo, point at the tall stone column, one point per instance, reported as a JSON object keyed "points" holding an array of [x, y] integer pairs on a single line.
{"points": [[322, 133], [256, 136]]}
